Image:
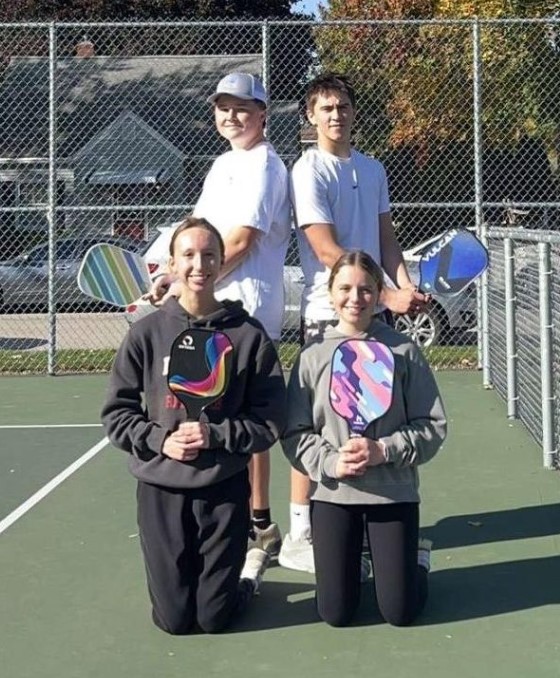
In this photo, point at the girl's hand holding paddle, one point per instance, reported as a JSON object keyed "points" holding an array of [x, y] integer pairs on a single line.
{"points": [[187, 441], [357, 454], [350, 464]]}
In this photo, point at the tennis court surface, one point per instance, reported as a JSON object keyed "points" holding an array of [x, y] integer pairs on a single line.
{"points": [[72, 595]]}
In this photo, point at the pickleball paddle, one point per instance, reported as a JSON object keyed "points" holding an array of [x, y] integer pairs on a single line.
{"points": [[361, 384], [199, 368], [452, 263], [113, 275]]}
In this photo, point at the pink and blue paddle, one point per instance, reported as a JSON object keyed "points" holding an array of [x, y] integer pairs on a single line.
{"points": [[361, 385]]}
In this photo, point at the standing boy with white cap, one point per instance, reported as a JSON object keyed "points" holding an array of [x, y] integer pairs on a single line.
{"points": [[246, 197]]}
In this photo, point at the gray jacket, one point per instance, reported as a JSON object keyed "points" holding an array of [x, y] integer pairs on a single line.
{"points": [[412, 430]]}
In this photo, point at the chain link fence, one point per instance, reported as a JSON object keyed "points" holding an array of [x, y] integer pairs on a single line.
{"points": [[105, 133], [523, 316]]}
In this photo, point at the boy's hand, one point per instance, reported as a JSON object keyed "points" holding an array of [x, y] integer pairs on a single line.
{"points": [[405, 300], [187, 441], [162, 288]]}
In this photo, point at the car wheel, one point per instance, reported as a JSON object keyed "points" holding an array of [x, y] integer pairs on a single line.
{"points": [[425, 329]]}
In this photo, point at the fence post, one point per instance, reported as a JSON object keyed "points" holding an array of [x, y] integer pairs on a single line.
{"points": [[511, 344], [265, 65], [547, 388], [482, 285], [51, 208]]}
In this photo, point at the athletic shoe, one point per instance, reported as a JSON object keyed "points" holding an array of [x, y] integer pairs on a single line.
{"points": [[424, 551], [256, 562], [268, 539], [297, 554], [365, 568]]}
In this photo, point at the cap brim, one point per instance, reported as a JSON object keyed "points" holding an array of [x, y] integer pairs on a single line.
{"points": [[212, 99]]}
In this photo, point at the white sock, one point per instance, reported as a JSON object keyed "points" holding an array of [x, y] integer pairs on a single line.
{"points": [[300, 521]]}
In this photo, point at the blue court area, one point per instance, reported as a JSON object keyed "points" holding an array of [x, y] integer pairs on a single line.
{"points": [[72, 594]]}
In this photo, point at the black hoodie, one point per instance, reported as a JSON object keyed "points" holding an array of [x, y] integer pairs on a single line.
{"points": [[140, 411]]}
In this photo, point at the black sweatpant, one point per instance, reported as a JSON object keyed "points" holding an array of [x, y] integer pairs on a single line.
{"points": [[194, 543], [401, 585]]}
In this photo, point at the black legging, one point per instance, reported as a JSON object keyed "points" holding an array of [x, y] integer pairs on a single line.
{"points": [[401, 585]]}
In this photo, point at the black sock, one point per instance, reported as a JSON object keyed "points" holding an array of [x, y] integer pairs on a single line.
{"points": [[261, 518]]}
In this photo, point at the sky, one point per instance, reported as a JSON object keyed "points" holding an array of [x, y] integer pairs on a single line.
{"points": [[309, 6]]}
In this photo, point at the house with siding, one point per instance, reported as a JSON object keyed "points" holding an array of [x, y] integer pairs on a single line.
{"points": [[129, 132]]}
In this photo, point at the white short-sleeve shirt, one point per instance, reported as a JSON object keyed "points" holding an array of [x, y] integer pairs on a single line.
{"points": [[250, 188], [349, 193]]}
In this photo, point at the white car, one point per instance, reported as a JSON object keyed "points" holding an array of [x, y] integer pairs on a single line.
{"points": [[156, 257]]}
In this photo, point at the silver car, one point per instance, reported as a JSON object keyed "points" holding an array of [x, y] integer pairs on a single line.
{"points": [[24, 279]]}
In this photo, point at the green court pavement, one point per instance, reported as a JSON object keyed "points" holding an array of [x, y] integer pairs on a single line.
{"points": [[73, 601]]}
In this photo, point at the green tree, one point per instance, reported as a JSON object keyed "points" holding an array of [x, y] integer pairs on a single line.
{"points": [[415, 95], [416, 80], [104, 10]]}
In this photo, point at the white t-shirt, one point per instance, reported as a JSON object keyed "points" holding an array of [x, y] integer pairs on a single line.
{"points": [[349, 193], [250, 188]]}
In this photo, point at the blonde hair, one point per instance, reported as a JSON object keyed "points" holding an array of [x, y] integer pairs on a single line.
{"points": [[362, 260]]}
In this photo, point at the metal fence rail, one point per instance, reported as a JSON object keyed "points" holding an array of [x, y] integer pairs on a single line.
{"points": [[105, 132], [524, 347]]}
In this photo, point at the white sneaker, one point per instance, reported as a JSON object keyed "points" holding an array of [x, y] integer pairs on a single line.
{"points": [[256, 562], [297, 554]]}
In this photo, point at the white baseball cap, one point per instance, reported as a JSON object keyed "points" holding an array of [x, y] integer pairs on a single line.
{"points": [[240, 85]]}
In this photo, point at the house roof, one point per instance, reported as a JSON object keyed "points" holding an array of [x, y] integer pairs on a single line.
{"points": [[168, 93]]}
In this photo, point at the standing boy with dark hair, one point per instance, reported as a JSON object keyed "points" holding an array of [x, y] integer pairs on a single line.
{"points": [[341, 202]]}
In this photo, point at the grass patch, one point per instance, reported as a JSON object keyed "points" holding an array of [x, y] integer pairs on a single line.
{"points": [[67, 361], [73, 361], [452, 357]]}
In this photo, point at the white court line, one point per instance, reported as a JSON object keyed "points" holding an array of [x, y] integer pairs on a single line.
{"points": [[22, 509], [4, 426]]}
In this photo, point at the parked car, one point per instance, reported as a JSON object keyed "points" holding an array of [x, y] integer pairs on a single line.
{"points": [[24, 278], [156, 256], [445, 316]]}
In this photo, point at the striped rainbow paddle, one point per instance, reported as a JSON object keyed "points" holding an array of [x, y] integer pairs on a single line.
{"points": [[113, 275]]}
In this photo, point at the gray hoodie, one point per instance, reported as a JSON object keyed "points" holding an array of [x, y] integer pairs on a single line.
{"points": [[140, 411], [413, 428]]}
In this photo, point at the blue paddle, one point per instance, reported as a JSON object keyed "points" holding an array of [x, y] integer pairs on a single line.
{"points": [[451, 264]]}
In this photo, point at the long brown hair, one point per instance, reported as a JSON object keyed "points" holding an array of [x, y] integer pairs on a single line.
{"points": [[197, 222]]}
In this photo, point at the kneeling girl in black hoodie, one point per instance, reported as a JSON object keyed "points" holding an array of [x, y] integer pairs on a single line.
{"points": [[193, 488]]}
